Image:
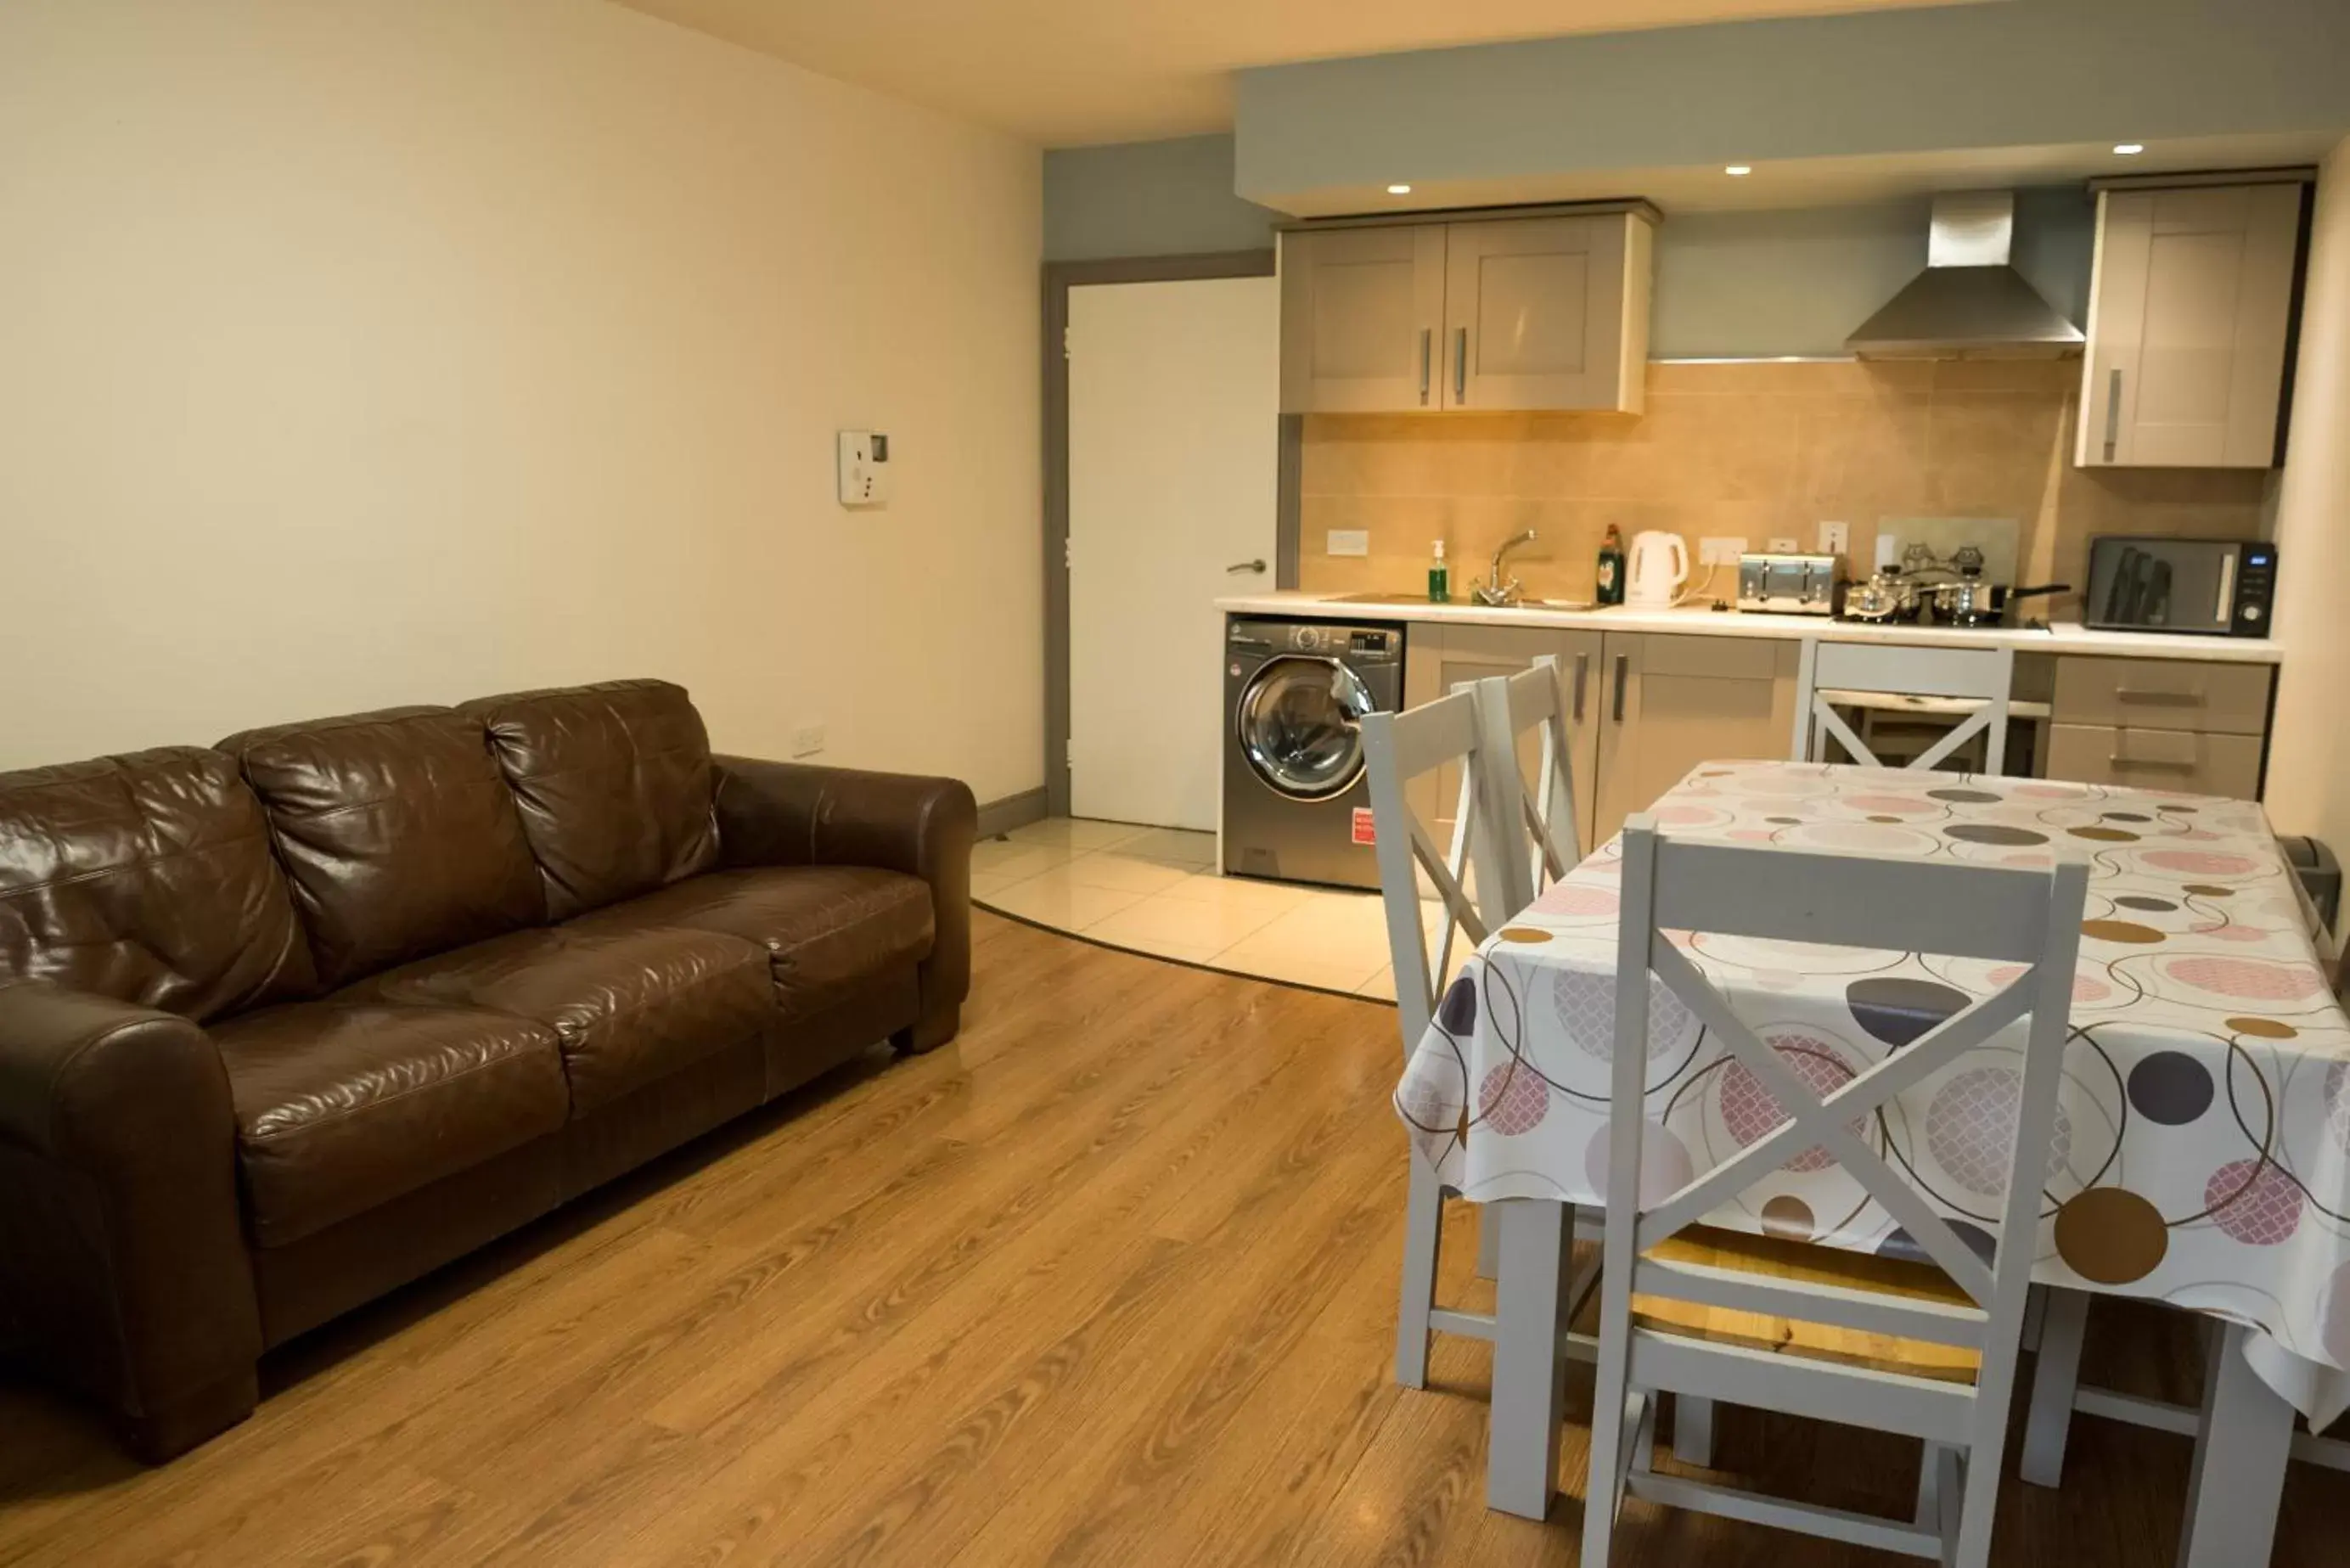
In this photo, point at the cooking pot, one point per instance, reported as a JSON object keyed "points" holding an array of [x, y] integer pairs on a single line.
{"points": [[1972, 602]]}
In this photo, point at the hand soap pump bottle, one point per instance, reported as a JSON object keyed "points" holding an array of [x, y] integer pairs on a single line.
{"points": [[1611, 568], [1440, 578]]}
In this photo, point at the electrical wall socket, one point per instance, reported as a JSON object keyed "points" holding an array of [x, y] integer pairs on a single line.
{"points": [[1783, 545], [1347, 542], [807, 740], [1721, 550], [1836, 539]]}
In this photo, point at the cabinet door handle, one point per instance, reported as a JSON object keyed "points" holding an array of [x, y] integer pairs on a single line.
{"points": [[2112, 412], [1257, 566], [1425, 333], [1623, 673], [1581, 669], [1460, 366]]}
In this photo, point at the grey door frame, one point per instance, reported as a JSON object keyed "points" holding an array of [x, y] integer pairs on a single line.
{"points": [[1059, 278]]}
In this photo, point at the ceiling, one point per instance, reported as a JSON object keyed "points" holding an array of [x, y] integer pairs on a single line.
{"points": [[1070, 72]]}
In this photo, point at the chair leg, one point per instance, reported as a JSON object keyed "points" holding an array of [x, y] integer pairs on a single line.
{"points": [[1929, 1487], [2055, 1375], [1610, 1395], [1953, 1471], [2035, 1309], [1423, 1235], [1489, 1243], [1693, 1430]]}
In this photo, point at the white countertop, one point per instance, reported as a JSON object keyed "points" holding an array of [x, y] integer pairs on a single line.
{"points": [[1699, 621]]}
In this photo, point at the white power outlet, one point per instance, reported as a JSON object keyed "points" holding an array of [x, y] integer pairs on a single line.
{"points": [[807, 740], [1347, 542], [1720, 549], [1783, 545], [1836, 539]]}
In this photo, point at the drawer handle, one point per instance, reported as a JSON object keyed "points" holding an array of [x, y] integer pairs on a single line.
{"points": [[2164, 699], [2153, 764]]}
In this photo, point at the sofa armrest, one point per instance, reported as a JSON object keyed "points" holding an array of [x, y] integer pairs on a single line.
{"points": [[122, 1255], [790, 814]]}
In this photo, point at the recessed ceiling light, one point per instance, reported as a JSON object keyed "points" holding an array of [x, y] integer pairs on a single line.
{"points": [[1406, 189], [1735, 170], [2129, 149]]}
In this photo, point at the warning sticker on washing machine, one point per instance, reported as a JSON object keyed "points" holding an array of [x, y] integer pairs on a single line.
{"points": [[1364, 832]]}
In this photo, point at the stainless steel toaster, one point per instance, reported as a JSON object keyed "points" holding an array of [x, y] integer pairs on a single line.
{"points": [[1788, 585]]}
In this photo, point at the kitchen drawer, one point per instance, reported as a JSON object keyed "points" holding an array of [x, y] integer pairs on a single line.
{"points": [[1709, 657], [2163, 694], [2179, 760]]}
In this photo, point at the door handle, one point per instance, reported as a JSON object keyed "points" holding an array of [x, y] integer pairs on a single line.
{"points": [[2112, 412], [1246, 567], [1581, 669], [1425, 334], [1623, 673], [1460, 366]]}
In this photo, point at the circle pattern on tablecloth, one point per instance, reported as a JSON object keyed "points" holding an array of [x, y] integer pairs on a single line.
{"points": [[2254, 1202], [2200, 862], [1749, 1111], [1897, 1008], [1869, 837], [1900, 805], [1965, 796], [1789, 1218], [2244, 979], [1993, 832], [2338, 1104], [1458, 1012], [2170, 1087], [2119, 931], [2263, 1028], [1513, 1098], [1665, 1166], [2086, 988], [1970, 1127], [2111, 1236], [1585, 1005], [1576, 899]]}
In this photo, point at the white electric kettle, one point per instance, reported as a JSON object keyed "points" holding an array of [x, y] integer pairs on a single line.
{"points": [[1655, 569]]}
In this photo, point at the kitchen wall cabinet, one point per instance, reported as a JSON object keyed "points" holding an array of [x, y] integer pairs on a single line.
{"points": [[1547, 312], [1666, 703], [2189, 316], [1361, 313]]}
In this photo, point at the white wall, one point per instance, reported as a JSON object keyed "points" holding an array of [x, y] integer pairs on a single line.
{"points": [[2309, 760], [380, 351]]}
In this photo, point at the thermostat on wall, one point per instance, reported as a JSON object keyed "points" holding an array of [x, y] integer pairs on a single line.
{"points": [[864, 468]]}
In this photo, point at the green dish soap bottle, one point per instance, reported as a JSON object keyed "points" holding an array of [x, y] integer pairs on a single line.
{"points": [[1440, 578], [1611, 568]]}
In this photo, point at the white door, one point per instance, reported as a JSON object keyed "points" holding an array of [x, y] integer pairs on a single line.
{"points": [[1174, 435]]}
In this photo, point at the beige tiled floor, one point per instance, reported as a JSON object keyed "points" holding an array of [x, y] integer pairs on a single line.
{"points": [[1156, 891]]}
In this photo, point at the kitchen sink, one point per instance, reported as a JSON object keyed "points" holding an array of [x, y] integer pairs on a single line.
{"points": [[1529, 603]]}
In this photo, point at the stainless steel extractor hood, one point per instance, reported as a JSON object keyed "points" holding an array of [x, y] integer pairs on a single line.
{"points": [[1968, 303]]}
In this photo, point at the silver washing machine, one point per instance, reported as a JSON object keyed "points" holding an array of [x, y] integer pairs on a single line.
{"points": [[1296, 805]]}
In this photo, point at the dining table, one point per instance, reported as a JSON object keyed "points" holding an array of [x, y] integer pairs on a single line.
{"points": [[2201, 1155]]}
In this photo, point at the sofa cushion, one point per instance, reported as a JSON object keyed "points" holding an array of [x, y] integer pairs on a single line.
{"points": [[826, 928], [147, 879], [397, 834], [628, 1006], [614, 785], [347, 1104]]}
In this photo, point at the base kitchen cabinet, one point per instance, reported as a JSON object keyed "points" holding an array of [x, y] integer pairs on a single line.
{"points": [[1665, 703], [2161, 723]]}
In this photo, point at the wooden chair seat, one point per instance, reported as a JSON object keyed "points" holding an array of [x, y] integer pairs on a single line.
{"points": [[1810, 1264]]}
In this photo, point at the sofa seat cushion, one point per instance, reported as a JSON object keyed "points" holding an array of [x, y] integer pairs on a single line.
{"points": [[827, 929], [347, 1104], [628, 1006]]}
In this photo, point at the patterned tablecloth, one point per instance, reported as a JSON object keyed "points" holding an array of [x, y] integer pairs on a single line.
{"points": [[2202, 1151]]}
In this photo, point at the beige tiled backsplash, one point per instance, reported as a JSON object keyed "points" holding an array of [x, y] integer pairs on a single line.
{"points": [[1759, 450]]}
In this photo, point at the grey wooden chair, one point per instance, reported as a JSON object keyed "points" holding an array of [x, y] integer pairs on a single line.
{"points": [[1533, 702], [1925, 1354], [1396, 749], [1977, 679]]}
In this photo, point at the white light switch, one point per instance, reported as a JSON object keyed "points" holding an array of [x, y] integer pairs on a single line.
{"points": [[1836, 539], [1347, 542]]}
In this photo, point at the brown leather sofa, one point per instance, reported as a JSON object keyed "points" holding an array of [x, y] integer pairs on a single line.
{"points": [[289, 1021]]}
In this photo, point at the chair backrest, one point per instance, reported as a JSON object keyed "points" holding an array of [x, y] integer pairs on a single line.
{"points": [[1981, 675], [1396, 749], [1534, 830], [2002, 913]]}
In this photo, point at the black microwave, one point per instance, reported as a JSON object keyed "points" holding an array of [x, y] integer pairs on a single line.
{"points": [[2212, 587]]}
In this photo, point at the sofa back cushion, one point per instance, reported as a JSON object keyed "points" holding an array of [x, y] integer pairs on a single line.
{"points": [[614, 783], [147, 879], [396, 832]]}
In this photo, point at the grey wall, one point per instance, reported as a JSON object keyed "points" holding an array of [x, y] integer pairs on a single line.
{"points": [[1736, 285], [1147, 199], [2024, 74]]}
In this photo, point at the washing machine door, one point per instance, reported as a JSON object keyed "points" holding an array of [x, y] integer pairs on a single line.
{"points": [[1299, 720]]}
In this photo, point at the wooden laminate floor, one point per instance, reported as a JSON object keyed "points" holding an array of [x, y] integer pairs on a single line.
{"points": [[1110, 1281]]}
